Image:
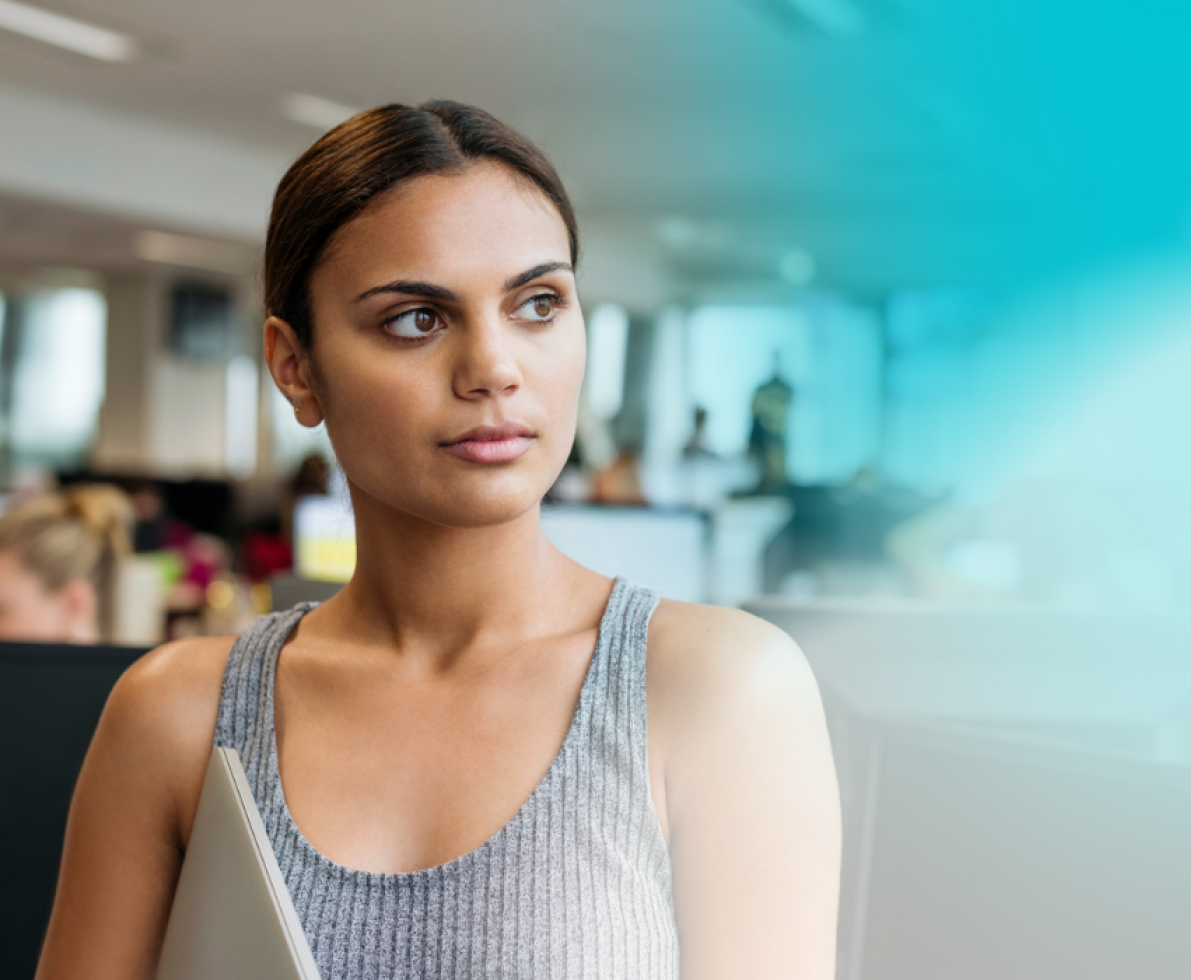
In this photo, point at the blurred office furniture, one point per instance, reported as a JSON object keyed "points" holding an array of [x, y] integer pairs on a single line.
{"points": [[984, 856], [288, 590], [1016, 787], [741, 529], [140, 603], [831, 526], [665, 549], [685, 553], [51, 697]]}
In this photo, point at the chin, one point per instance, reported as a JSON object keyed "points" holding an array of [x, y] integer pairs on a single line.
{"points": [[476, 500], [476, 511]]}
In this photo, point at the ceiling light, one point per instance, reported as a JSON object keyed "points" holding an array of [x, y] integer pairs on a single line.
{"points": [[797, 268], [313, 110], [191, 252], [841, 17], [67, 32]]}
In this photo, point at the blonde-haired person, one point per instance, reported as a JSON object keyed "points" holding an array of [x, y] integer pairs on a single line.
{"points": [[60, 555]]}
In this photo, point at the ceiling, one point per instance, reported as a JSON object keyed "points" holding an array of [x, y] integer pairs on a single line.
{"points": [[705, 140]]}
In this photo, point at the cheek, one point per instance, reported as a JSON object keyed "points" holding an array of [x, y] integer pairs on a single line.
{"points": [[364, 396], [558, 376]]}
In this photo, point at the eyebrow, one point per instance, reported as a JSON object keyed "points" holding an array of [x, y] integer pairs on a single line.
{"points": [[427, 290], [409, 287], [529, 275]]}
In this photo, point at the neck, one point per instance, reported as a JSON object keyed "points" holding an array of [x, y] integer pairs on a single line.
{"points": [[445, 590]]}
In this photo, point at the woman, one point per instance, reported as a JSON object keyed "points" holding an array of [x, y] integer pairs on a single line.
{"points": [[59, 564], [461, 732]]}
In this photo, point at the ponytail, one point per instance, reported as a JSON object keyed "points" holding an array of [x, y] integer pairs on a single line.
{"points": [[81, 532]]}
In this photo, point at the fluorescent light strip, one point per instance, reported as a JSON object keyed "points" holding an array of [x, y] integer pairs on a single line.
{"points": [[841, 17], [191, 252], [67, 32], [314, 110]]}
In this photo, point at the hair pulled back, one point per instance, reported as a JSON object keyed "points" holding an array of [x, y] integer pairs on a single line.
{"points": [[373, 152], [77, 533]]}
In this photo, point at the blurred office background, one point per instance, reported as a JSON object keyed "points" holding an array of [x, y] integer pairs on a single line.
{"points": [[889, 317]]}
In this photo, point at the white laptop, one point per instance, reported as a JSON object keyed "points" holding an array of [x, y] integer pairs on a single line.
{"points": [[232, 917]]}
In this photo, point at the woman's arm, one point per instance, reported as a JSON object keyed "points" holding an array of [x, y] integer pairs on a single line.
{"points": [[751, 797], [131, 815]]}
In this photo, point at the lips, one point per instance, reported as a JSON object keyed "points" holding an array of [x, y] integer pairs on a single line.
{"points": [[491, 443]]}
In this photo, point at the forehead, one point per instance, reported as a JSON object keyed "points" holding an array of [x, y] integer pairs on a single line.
{"points": [[437, 227]]}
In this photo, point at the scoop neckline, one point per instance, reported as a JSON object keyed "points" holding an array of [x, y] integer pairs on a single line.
{"points": [[468, 858]]}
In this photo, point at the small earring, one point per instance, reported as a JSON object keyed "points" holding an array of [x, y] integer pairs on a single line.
{"points": [[297, 408]]}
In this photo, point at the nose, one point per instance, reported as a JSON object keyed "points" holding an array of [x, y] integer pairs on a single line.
{"points": [[486, 364]]}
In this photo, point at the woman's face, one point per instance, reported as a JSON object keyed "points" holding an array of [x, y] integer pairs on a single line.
{"points": [[449, 347], [29, 611]]}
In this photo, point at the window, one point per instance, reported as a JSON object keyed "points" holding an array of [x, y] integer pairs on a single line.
{"points": [[51, 376]]}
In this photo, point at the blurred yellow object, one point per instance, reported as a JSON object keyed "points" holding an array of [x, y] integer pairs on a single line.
{"points": [[324, 538], [262, 598], [327, 558], [220, 594]]}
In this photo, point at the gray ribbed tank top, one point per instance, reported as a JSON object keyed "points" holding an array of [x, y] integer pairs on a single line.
{"points": [[577, 884]]}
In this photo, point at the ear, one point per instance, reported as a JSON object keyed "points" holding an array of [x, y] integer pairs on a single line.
{"points": [[289, 363], [80, 607]]}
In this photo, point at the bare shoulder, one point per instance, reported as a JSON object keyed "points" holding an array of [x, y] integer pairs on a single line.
{"points": [[723, 683], [160, 717], [749, 793], [132, 811], [168, 690], [703, 656]]}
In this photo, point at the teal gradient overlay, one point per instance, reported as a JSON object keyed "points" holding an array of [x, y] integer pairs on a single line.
{"points": [[1006, 186]]}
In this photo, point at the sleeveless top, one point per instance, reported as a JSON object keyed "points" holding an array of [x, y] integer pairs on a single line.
{"points": [[576, 885]]}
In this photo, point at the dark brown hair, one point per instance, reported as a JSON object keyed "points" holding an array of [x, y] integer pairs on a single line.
{"points": [[334, 180]]}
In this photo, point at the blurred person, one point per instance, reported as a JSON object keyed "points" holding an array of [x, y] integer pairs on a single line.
{"points": [[472, 699], [770, 411], [60, 557], [148, 505], [696, 447], [620, 482], [311, 478]]}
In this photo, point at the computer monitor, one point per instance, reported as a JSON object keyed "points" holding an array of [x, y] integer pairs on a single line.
{"points": [[324, 538]]}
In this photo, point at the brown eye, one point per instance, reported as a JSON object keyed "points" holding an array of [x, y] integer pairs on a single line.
{"points": [[540, 308], [414, 324]]}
